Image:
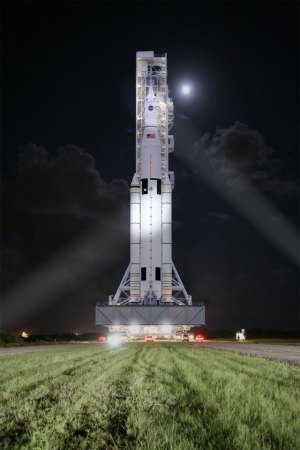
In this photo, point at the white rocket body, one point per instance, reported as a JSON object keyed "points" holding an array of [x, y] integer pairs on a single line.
{"points": [[151, 203], [147, 214]]}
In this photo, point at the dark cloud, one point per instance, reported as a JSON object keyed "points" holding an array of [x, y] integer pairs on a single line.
{"points": [[30, 155], [66, 272], [52, 202], [235, 174], [68, 183], [241, 145], [239, 151], [238, 145]]}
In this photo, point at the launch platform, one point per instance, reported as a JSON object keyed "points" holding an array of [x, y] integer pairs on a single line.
{"points": [[150, 315]]}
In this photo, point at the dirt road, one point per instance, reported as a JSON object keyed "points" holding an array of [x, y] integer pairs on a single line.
{"points": [[5, 351], [287, 353]]}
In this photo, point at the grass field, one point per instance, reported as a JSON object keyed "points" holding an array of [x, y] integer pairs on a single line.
{"points": [[148, 396]]}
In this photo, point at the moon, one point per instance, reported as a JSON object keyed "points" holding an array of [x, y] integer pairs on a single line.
{"points": [[186, 89]]}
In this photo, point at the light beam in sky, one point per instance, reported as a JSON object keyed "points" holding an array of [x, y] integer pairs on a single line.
{"points": [[241, 194]]}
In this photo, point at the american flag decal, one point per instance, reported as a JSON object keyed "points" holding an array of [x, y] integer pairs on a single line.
{"points": [[151, 136]]}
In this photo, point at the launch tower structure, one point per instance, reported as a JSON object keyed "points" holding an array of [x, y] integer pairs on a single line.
{"points": [[151, 279]]}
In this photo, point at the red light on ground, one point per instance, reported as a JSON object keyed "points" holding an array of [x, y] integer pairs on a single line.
{"points": [[199, 338], [101, 338]]}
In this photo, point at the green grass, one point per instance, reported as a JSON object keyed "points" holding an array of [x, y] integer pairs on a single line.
{"points": [[147, 396]]}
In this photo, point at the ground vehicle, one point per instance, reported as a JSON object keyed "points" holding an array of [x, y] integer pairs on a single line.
{"points": [[185, 338], [199, 338], [101, 339], [149, 338]]}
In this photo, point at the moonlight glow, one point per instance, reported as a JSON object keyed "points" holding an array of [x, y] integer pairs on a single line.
{"points": [[186, 89]]}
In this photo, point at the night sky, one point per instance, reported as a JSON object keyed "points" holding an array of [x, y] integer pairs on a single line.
{"points": [[68, 156]]}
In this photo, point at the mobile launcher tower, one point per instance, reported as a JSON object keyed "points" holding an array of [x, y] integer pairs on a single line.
{"points": [[151, 292]]}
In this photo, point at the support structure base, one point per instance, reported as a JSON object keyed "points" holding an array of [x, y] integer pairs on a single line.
{"points": [[150, 315]]}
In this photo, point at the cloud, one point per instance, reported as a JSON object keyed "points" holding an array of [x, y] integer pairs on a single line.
{"points": [[66, 183], [52, 203], [237, 152], [241, 145], [31, 155], [68, 270], [234, 173], [237, 144]]}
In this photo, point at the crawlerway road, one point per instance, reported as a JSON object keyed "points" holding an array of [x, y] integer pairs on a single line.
{"points": [[285, 353], [5, 351], [277, 352]]}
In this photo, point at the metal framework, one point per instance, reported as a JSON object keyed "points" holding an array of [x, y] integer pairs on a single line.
{"points": [[122, 296], [151, 70], [150, 315]]}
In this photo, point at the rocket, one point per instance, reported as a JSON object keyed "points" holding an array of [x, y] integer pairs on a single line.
{"points": [[150, 224]]}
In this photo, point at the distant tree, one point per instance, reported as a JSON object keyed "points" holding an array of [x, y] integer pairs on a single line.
{"points": [[8, 337]]}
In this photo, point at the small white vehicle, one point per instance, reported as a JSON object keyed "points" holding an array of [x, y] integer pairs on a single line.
{"points": [[240, 336]]}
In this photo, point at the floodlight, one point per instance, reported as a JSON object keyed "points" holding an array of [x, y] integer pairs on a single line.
{"points": [[114, 340]]}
